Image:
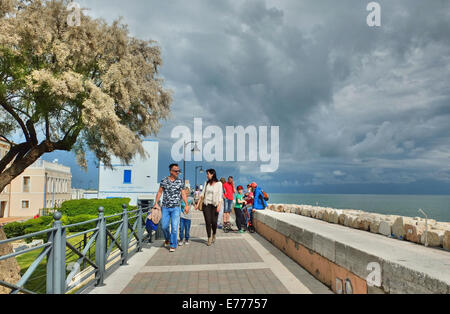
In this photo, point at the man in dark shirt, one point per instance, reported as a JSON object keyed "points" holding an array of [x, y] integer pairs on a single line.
{"points": [[173, 189]]}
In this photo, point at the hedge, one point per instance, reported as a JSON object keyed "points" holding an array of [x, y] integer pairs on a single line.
{"points": [[90, 207], [74, 211]]}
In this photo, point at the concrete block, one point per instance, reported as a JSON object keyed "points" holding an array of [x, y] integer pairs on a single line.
{"points": [[341, 218], [446, 240], [303, 237], [435, 238], [413, 233], [385, 228], [397, 279], [349, 220], [398, 228], [325, 247], [354, 260], [375, 225], [319, 213]]}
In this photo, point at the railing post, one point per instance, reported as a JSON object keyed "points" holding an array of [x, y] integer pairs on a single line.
{"points": [[100, 248], [140, 229], [56, 259], [124, 235]]}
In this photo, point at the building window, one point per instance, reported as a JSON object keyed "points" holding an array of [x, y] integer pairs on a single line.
{"points": [[25, 204], [127, 176], [26, 184]]}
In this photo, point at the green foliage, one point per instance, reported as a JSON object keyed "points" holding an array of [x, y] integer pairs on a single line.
{"points": [[90, 207], [14, 229], [80, 218], [33, 229], [17, 229]]}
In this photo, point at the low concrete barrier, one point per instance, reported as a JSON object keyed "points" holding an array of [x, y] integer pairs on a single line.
{"points": [[355, 261]]}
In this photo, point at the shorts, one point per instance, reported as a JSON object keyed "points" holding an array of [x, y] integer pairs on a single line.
{"points": [[228, 204]]}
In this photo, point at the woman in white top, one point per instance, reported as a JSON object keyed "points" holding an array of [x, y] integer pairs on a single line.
{"points": [[212, 196]]}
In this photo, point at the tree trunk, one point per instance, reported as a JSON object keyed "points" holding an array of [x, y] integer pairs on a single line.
{"points": [[19, 166], [9, 269]]}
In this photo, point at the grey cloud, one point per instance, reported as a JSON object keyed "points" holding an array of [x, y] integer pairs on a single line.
{"points": [[372, 103]]}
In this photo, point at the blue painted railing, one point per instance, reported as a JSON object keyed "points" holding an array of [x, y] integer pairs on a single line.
{"points": [[55, 252]]}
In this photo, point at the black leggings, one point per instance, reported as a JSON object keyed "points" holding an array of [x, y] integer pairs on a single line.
{"points": [[211, 215], [240, 221]]}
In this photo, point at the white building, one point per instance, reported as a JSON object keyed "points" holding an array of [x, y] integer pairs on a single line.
{"points": [[137, 181]]}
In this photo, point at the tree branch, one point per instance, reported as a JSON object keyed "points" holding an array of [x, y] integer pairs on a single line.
{"points": [[7, 140], [11, 111], [32, 132], [11, 155]]}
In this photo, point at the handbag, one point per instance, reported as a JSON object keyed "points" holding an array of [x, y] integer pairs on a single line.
{"points": [[202, 198], [155, 215]]}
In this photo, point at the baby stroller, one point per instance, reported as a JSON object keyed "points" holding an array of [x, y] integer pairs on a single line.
{"points": [[246, 211]]}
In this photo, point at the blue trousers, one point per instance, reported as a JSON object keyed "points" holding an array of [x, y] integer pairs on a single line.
{"points": [[171, 218], [185, 227]]}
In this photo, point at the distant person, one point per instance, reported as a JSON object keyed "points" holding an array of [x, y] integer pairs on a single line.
{"points": [[247, 210], [212, 193], [185, 220], [240, 222], [259, 203], [220, 219], [229, 191], [173, 189], [196, 194]]}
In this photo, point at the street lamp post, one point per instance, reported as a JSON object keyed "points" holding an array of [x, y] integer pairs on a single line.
{"points": [[194, 150], [201, 171]]}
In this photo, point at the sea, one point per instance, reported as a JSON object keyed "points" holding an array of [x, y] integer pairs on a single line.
{"points": [[435, 206]]}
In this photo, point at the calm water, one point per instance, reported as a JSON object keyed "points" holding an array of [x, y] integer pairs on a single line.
{"points": [[435, 206]]}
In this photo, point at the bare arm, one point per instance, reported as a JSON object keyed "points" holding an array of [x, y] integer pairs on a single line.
{"points": [[183, 195], [158, 196]]}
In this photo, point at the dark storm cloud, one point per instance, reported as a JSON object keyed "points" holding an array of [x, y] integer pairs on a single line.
{"points": [[355, 104]]}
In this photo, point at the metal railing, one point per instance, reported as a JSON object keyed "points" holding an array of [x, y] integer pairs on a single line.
{"points": [[109, 240]]}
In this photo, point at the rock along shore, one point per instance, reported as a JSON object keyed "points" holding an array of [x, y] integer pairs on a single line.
{"points": [[418, 230]]}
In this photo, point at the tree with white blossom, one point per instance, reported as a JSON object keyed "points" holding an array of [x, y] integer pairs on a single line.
{"points": [[89, 87]]}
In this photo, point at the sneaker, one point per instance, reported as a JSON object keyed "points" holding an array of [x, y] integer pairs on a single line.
{"points": [[181, 243], [166, 244], [172, 250], [186, 242], [241, 231]]}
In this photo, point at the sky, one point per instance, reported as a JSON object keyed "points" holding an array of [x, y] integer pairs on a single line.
{"points": [[360, 109]]}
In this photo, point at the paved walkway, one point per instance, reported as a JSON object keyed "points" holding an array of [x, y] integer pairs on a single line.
{"points": [[235, 264], [4, 221]]}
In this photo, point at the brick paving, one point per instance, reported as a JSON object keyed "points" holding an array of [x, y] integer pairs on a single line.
{"points": [[235, 264], [224, 251], [261, 281]]}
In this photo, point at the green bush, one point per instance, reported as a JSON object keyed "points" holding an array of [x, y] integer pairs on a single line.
{"points": [[44, 221], [17, 229], [14, 229], [90, 207], [33, 229], [81, 218]]}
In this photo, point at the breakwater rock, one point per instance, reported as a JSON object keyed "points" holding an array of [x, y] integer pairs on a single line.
{"points": [[418, 230]]}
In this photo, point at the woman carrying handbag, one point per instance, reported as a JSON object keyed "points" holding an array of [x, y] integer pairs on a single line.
{"points": [[210, 204]]}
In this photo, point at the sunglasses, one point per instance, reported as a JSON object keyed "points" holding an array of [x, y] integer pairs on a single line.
{"points": [[177, 171]]}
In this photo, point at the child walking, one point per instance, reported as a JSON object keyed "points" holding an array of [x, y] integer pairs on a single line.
{"points": [[185, 220], [240, 222]]}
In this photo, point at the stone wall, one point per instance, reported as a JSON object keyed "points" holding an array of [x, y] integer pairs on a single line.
{"points": [[9, 269], [355, 260], [399, 227]]}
